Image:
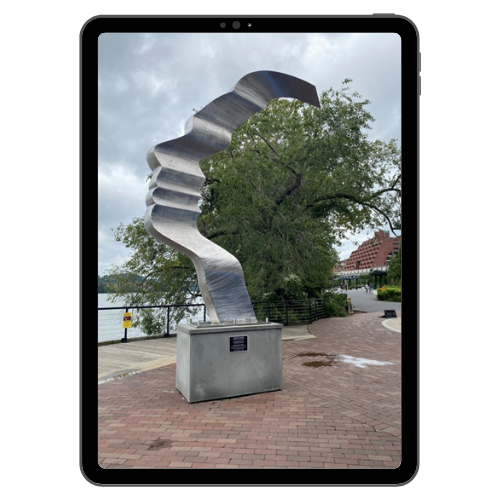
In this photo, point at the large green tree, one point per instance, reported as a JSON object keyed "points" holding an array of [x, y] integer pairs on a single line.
{"points": [[293, 181]]}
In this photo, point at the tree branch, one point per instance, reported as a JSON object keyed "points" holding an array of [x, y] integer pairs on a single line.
{"points": [[222, 232], [289, 191], [211, 180], [364, 203], [268, 144]]}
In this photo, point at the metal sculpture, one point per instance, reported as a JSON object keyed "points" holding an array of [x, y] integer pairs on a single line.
{"points": [[174, 190]]}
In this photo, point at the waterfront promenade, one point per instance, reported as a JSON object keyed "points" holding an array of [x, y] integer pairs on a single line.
{"points": [[340, 406]]}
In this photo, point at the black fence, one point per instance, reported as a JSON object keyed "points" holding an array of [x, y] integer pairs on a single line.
{"points": [[107, 321], [289, 312]]}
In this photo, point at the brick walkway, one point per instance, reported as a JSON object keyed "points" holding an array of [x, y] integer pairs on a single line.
{"points": [[331, 413]]}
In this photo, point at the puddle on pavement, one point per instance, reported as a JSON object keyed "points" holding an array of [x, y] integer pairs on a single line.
{"points": [[330, 359], [317, 364]]}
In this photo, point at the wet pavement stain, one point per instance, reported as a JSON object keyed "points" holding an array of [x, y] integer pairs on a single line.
{"points": [[166, 443], [331, 359], [317, 364]]}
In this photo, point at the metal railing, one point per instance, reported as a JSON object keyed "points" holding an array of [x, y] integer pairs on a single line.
{"points": [[113, 321], [288, 312]]}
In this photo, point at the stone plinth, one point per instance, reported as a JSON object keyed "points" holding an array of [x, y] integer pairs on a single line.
{"points": [[222, 361]]}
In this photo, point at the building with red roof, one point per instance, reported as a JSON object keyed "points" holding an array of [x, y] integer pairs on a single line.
{"points": [[371, 257]]}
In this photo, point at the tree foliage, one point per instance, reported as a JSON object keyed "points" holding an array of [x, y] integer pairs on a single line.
{"points": [[394, 268], [293, 181], [167, 276]]}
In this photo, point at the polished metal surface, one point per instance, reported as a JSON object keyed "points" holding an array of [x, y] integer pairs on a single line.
{"points": [[174, 190]]}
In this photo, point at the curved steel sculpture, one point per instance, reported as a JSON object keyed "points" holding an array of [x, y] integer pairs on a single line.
{"points": [[174, 190]]}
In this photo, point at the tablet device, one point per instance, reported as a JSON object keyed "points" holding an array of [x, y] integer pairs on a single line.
{"points": [[155, 71]]}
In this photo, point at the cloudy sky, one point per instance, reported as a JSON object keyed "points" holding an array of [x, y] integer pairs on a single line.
{"points": [[149, 84]]}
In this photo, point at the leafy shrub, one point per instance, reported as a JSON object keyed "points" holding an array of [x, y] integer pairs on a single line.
{"points": [[389, 294], [151, 322], [335, 304]]}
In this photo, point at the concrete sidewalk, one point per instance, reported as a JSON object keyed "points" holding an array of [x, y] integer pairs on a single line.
{"points": [[119, 360], [340, 407]]}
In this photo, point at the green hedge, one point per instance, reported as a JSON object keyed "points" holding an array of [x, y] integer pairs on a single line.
{"points": [[389, 294]]}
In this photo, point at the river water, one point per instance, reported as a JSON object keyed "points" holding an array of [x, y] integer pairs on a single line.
{"points": [[109, 322]]}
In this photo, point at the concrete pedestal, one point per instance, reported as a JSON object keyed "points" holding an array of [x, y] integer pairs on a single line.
{"points": [[223, 361]]}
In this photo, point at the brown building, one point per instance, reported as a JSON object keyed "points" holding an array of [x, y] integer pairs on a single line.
{"points": [[372, 254]]}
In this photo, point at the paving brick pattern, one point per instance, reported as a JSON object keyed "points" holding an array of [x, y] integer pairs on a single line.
{"points": [[330, 414]]}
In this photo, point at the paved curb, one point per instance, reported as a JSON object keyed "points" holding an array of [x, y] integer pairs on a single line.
{"points": [[386, 324]]}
